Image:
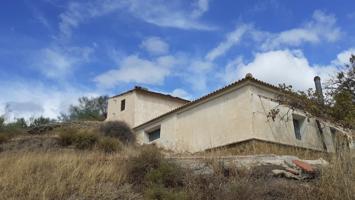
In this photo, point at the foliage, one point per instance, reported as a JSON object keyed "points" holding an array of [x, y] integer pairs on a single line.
{"points": [[148, 159], [109, 145], [3, 138], [85, 140], [120, 130], [87, 109], [19, 123], [340, 104], [344, 81], [344, 109], [341, 89], [166, 174], [67, 137], [81, 140], [2, 121], [40, 121], [158, 192]]}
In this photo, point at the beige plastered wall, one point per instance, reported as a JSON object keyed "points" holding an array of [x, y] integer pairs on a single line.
{"points": [[281, 130], [236, 115], [140, 107], [219, 121]]}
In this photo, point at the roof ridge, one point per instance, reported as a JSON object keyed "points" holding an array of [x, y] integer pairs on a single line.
{"points": [[246, 78]]}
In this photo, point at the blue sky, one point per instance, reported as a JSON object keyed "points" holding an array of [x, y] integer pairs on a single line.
{"points": [[54, 51]]}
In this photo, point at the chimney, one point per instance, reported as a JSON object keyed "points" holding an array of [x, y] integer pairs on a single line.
{"points": [[319, 92]]}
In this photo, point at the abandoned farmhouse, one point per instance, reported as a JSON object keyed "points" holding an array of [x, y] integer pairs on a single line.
{"points": [[236, 113]]}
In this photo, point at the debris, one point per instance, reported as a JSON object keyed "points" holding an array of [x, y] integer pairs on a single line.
{"points": [[304, 166], [284, 173]]}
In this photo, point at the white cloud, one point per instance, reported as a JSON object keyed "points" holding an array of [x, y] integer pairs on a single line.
{"points": [[343, 58], [157, 12], [282, 66], [33, 99], [179, 92], [135, 69], [155, 46], [171, 14], [231, 40], [56, 62], [322, 27]]}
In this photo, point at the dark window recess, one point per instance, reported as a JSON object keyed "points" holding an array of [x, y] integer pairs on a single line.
{"points": [[297, 128], [154, 135], [123, 104]]}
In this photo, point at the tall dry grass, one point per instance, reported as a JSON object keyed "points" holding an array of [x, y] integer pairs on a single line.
{"points": [[63, 175]]}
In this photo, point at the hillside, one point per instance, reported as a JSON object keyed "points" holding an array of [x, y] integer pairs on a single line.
{"points": [[86, 161]]}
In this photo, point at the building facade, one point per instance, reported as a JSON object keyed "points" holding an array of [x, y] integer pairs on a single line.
{"points": [[236, 113]]}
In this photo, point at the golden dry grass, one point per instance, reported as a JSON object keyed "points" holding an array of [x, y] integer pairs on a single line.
{"points": [[62, 175]]}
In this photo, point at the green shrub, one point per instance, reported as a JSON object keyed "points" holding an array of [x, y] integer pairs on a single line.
{"points": [[109, 145], [118, 129], [158, 192], [167, 174], [148, 159], [81, 140], [67, 136], [85, 140]]}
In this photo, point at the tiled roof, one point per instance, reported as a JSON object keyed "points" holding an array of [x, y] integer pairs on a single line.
{"points": [[146, 91], [248, 77]]}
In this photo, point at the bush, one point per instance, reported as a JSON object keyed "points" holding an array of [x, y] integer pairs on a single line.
{"points": [[148, 159], [109, 145], [120, 130], [3, 138], [67, 137], [158, 192], [85, 140], [166, 174], [80, 140]]}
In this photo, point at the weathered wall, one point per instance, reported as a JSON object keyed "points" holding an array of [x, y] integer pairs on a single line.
{"points": [[236, 115], [114, 109], [219, 121], [148, 107], [140, 107], [281, 129]]}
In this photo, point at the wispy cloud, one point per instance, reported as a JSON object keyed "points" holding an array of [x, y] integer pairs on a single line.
{"points": [[158, 12], [232, 39], [138, 70], [322, 27], [155, 46], [57, 62]]}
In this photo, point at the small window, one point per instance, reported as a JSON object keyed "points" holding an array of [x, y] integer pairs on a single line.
{"points": [[123, 104], [297, 128], [154, 135], [298, 122]]}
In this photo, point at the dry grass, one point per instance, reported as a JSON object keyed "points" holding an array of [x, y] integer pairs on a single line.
{"points": [[55, 172], [62, 175]]}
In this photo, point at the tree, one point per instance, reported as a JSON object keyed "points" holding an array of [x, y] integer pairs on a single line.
{"points": [[344, 81], [87, 109], [341, 89], [35, 122]]}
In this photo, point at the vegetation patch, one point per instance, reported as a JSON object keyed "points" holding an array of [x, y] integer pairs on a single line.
{"points": [[109, 145], [119, 130]]}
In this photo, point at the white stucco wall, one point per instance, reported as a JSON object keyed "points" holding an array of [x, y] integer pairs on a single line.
{"points": [[236, 115], [217, 122], [114, 109], [281, 130], [148, 107], [140, 107]]}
